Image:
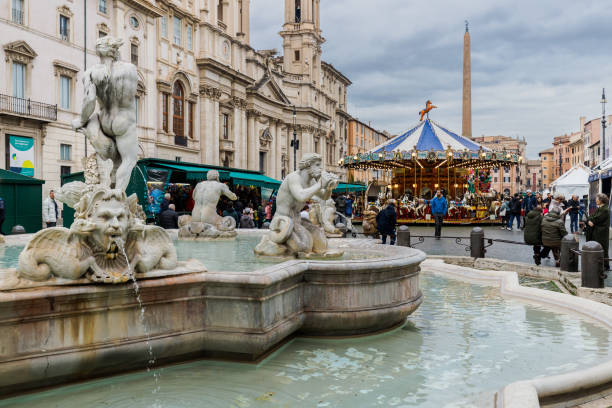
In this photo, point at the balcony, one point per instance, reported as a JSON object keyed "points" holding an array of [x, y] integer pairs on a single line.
{"points": [[27, 108], [17, 16]]}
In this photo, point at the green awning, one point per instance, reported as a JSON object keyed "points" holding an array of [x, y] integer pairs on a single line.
{"points": [[195, 173], [10, 177], [256, 180], [350, 188]]}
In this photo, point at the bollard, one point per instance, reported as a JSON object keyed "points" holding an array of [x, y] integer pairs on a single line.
{"points": [[403, 236], [569, 260], [592, 265], [18, 229], [477, 249]]}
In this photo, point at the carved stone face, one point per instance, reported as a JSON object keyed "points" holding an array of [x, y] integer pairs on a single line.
{"points": [[315, 169], [112, 221]]}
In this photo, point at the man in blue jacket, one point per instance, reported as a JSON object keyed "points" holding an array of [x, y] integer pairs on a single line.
{"points": [[438, 210], [529, 203]]}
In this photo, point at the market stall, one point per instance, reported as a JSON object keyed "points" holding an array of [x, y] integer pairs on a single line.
{"points": [[429, 157], [575, 181]]}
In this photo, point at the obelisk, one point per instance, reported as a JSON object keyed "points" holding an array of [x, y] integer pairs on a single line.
{"points": [[466, 129]]}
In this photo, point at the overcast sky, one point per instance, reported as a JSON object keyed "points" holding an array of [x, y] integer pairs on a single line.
{"points": [[537, 66]]}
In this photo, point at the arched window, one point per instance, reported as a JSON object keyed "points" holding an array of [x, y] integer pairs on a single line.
{"points": [[178, 118], [298, 11], [220, 10]]}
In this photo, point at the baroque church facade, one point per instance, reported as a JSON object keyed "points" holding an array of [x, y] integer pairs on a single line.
{"points": [[205, 95]]}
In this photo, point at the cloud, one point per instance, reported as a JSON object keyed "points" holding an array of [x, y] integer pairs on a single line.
{"points": [[536, 66]]}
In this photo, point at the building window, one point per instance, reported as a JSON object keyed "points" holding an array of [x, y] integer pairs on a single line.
{"points": [[296, 55], [225, 125], [189, 37], [134, 22], [65, 152], [298, 11], [134, 53], [164, 27], [17, 11], [102, 6], [64, 27], [178, 117], [65, 92], [262, 162], [165, 111], [137, 106], [19, 79], [191, 104], [177, 31], [64, 171], [220, 10]]}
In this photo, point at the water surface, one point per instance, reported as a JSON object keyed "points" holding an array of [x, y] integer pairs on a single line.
{"points": [[464, 342]]}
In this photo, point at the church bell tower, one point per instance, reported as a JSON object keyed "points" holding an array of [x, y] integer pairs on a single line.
{"points": [[302, 38]]}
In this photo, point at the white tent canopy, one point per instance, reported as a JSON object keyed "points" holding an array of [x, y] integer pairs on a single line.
{"points": [[574, 181]]}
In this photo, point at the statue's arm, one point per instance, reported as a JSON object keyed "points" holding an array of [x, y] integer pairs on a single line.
{"points": [[303, 194], [89, 102], [227, 192]]}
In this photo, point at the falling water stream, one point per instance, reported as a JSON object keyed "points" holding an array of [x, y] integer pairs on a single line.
{"points": [[145, 327]]}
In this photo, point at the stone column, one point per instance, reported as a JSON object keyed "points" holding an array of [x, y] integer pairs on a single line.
{"points": [[278, 154], [251, 142], [466, 129], [215, 132], [237, 133]]}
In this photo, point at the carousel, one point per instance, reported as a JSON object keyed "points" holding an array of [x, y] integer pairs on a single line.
{"points": [[429, 157]]}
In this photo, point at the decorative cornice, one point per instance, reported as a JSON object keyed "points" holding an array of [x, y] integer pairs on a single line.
{"points": [[64, 68], [65, 10], [19, 51]]}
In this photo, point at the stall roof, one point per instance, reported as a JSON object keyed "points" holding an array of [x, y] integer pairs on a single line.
{"points": [[350, 188], [250, 179], [193, 172], [10, 177]]}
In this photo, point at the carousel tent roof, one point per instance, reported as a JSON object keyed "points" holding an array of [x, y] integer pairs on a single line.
{"points": [[426, 136]]}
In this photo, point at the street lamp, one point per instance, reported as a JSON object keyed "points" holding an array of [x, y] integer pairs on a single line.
{"points": [[603, 125], [294, 143]]}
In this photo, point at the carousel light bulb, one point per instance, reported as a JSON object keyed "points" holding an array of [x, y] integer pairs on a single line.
{"points": [[355, 157], [414, 185], [413, 154], [389, 186], [436, 185], [396, 185], [456, 185]]}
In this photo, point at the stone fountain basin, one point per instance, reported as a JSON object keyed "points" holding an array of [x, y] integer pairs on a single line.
{"points": [[56, 334]]}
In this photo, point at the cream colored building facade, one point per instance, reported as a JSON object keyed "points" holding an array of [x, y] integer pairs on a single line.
{"points": [[507, 179], [204, 94]]}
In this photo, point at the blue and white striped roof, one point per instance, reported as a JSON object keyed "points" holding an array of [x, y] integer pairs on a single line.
{"points": [[427, 136]]}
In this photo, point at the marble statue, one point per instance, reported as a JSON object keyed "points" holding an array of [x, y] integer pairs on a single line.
{"points": [[204, 222], [290, 234], [111, 130], [108, 241], [323, 213]]}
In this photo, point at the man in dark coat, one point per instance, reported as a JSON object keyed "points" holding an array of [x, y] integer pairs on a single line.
{"points": [[553, 231], [515, 212], [341, 204], [598, 225], [386, 221], [168, 219], [573, 205], [533, 232]]}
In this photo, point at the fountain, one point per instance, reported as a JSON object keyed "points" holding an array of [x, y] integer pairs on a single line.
{"points": [[67, 304]]}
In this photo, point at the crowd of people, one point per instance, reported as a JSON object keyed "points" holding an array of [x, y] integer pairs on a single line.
{"points": [[544, 226], [516, 208]]}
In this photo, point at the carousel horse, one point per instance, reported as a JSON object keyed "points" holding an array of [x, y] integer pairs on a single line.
{"points": [[428, 107], [420, 208]]}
